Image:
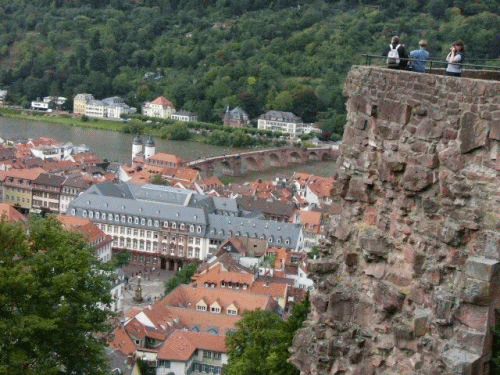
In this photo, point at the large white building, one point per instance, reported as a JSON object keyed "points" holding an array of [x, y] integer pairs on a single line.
{"points": [[284, 122], [113, 107], [163, 227]]}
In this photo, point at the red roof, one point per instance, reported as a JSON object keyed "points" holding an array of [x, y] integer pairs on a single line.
{"points": [[164, 102], [11, 214], [122, 342], [181, 345]]}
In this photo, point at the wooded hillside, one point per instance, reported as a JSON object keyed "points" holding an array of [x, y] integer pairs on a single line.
{"points": [[282, 54]]}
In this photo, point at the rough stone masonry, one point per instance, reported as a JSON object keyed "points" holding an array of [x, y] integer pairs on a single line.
{"points": [[409, 281]]}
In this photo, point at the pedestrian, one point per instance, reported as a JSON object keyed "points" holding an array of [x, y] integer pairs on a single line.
{"points": [[397, 56], [455, 59], [419, 57]]}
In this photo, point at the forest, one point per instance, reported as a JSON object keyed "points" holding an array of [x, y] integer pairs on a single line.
{"points": [[208, 55]]}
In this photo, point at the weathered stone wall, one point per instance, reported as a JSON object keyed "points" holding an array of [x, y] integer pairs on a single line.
{"points": [[410, 280]]}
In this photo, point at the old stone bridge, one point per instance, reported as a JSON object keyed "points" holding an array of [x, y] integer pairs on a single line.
{"points": [[258, 160]]}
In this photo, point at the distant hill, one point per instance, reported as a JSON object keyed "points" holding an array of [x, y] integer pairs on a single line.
{"points": [[210, 54]]}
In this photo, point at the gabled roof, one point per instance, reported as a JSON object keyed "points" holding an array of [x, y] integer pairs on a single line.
{"points": [[181, 345]]}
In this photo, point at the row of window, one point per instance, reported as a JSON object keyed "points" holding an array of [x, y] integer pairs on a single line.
{"points": [[216, 309], [206, 369], [136, 220]]}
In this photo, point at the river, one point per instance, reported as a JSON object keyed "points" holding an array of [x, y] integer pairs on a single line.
{"points": [[116, 146]]}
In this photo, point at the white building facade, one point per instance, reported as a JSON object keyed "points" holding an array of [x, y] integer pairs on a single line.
{"points": [[164, 227]]}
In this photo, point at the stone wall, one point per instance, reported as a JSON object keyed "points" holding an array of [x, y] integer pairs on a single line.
{"points": [[410, 279]]}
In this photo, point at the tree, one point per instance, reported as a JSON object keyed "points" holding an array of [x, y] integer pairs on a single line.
{"points": [[183, 276], [260, 345], [157, 179], [51, 286]]}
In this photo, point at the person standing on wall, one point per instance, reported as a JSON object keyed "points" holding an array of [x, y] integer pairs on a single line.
{"points": [[397, 56], [454, 59], [419, 57]]}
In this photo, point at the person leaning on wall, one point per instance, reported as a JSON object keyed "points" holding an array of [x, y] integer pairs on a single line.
{"points": [[455, 59]]}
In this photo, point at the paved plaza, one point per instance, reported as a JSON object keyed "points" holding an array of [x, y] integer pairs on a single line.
{"points": [[152, 283]]}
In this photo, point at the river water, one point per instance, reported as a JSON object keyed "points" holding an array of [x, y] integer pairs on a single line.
{"points": [[117, 147]]}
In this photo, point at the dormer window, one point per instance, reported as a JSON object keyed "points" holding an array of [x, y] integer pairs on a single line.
{"points": [[136, 220], [201, 308], [231, 312], [97, 215]]}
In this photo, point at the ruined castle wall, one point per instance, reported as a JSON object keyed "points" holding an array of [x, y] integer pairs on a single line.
{"points": [[410, 280]]}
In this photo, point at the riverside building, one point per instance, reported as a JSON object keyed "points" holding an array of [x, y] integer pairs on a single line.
{"points": [[164, 227]]}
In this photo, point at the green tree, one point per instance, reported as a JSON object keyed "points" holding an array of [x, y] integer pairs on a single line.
{"points": [[51, 285], [183, 276], [260, 344]]}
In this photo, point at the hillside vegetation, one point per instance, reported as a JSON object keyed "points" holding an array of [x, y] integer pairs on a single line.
{"points": [[211, 54]]}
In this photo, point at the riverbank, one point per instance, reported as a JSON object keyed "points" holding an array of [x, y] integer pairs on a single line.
{"points": [[63, 118], [199, 132]]}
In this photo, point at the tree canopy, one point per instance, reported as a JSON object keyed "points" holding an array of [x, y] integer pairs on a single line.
{"points": [[51, 287], [260, 344]]}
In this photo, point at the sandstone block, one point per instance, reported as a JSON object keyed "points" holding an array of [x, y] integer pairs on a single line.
{"points": [[477, 292], [416, 178], [474, 317], [477, 342], [358, 191], [444, 306], [394, 111], [482, 268], [358, 103], [322, 267], [361, 123], [451, 159], [320, 302], [452, 233], [429, 129], [421, 320], [473, 132], [373, 243], [388, 132], [388, 298], [462, 362]]}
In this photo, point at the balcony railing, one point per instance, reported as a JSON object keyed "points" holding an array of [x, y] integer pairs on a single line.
{"points": [[472, 68]]}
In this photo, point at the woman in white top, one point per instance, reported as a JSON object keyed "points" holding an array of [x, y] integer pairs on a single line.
{"points": [[455, 58]]}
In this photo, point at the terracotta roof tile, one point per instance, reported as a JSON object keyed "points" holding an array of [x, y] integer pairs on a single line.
{"points": [[11, 214], [272, 289], [122, 342], [188, 296], [162, 156], [27, 174], [180, 345], [164, 102]]}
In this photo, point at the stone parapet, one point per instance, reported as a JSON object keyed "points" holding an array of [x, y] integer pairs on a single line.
{"points": [[411, 277]]}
